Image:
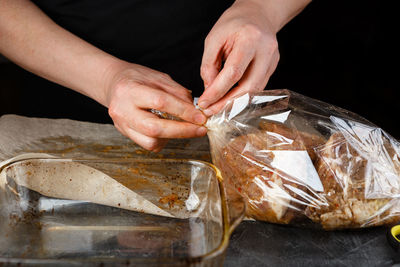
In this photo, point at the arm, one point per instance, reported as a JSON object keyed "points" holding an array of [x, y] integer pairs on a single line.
{"points": [[32, 40], [243, 41]]}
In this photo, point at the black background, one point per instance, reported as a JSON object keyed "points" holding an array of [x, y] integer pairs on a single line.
{"points": [[345, 53], [341, 52]]}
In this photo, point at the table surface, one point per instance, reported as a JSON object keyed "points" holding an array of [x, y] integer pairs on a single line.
{"points": [[263, 244], [252, 243]]}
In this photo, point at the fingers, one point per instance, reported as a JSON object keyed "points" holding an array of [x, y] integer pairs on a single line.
{"points": [[152, 133], [211, 61], [148, 143], [152, 126], [150, 98], [254, 80], [129, 113], [136, 90], [123, 114], [235, 66], [145, 128]]}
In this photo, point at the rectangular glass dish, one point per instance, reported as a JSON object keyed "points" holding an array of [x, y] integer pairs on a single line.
{"points": [[88, 212]]}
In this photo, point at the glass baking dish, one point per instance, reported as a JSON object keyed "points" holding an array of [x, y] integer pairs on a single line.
{"points": [[72, 211]]}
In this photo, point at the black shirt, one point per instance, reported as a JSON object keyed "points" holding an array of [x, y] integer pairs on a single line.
{"points": [[164, 35], [344, 56]]}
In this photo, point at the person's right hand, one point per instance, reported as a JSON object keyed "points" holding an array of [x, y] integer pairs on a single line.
{"points": [[136, 89]]}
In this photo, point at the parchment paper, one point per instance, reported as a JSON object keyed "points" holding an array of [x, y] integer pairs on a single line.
{"points": [[88, 184], [75, 139], [24, 137]]}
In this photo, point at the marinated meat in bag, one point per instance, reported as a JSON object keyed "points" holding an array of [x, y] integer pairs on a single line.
{"points": [[298, 160], [271, 194], [344, 172]]}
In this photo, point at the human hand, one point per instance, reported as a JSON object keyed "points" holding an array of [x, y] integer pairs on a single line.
{"points": [[136, 89], [243, 43]]}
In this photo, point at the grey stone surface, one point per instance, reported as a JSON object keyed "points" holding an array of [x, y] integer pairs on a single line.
{"points": [[264, 244]]}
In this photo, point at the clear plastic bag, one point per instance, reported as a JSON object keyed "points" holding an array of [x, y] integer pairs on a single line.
{"points": [[298, 161]]}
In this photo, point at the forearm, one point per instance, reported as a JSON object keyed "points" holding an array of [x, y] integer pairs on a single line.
{"points": [[279, 12], [32, 40]]}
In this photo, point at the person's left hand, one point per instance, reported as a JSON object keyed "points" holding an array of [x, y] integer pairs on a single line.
{"points": [[243, 43]]}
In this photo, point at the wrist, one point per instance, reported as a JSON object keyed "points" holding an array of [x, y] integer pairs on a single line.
{"points": [[277, 12], [112, 75], [264, 8]]}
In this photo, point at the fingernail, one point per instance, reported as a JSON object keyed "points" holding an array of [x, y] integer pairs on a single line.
{"points": [[204, 104], [208, 112], [199, 118], [201, 131]]}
